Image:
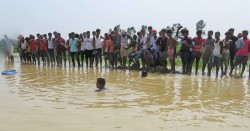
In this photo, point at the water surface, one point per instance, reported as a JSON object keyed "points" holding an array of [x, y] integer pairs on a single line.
{"points": [[61, 98]]}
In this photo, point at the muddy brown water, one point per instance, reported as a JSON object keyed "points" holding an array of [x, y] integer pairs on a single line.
{"points": [[42, 98]]}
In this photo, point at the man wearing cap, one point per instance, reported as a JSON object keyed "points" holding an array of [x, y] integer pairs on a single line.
{"points": [[232, 47]]}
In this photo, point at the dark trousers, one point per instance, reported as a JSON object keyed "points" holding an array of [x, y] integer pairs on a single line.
{"points": [[232, 55], [186, 62], [73, 56]]}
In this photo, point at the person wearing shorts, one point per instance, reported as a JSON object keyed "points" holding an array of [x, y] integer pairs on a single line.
{"points": [[216, 55], [196, 50], [242, 54]]}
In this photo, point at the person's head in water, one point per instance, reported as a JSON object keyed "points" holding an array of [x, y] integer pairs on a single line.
{"points": [[244, 34], [217, 35], [210, 34], [198, 33], [100, 83]]}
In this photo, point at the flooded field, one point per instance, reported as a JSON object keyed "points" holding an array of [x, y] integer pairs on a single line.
{"points": [[60, 98]]}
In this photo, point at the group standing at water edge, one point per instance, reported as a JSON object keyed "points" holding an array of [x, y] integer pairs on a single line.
{"points": [[152, 49]]}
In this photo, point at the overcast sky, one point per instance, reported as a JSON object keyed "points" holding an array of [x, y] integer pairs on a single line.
{"points": [[43, 16]]}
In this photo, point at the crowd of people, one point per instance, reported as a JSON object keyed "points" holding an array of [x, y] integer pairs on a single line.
{"points": [[144, 49]]}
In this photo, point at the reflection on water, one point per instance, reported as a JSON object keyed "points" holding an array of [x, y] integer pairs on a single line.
{"points": [[170, 101]]}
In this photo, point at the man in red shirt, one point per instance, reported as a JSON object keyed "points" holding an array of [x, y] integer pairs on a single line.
{"points": [[242, 53], [61, 50], [33, 49], [42, 48], [196, 50]]}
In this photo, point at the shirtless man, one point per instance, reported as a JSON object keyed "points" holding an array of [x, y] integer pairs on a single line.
{"points": [[172, 43]]}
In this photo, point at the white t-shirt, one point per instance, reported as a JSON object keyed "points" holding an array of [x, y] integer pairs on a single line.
{"points": [[124, 42], [23, 45], [143, 41], [51, 44], [153, 43], [83, 46], [88, 43], [98, 43], [216, 51]]}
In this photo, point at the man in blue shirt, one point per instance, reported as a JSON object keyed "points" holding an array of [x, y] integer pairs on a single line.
{"points": [[73, 48]]}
